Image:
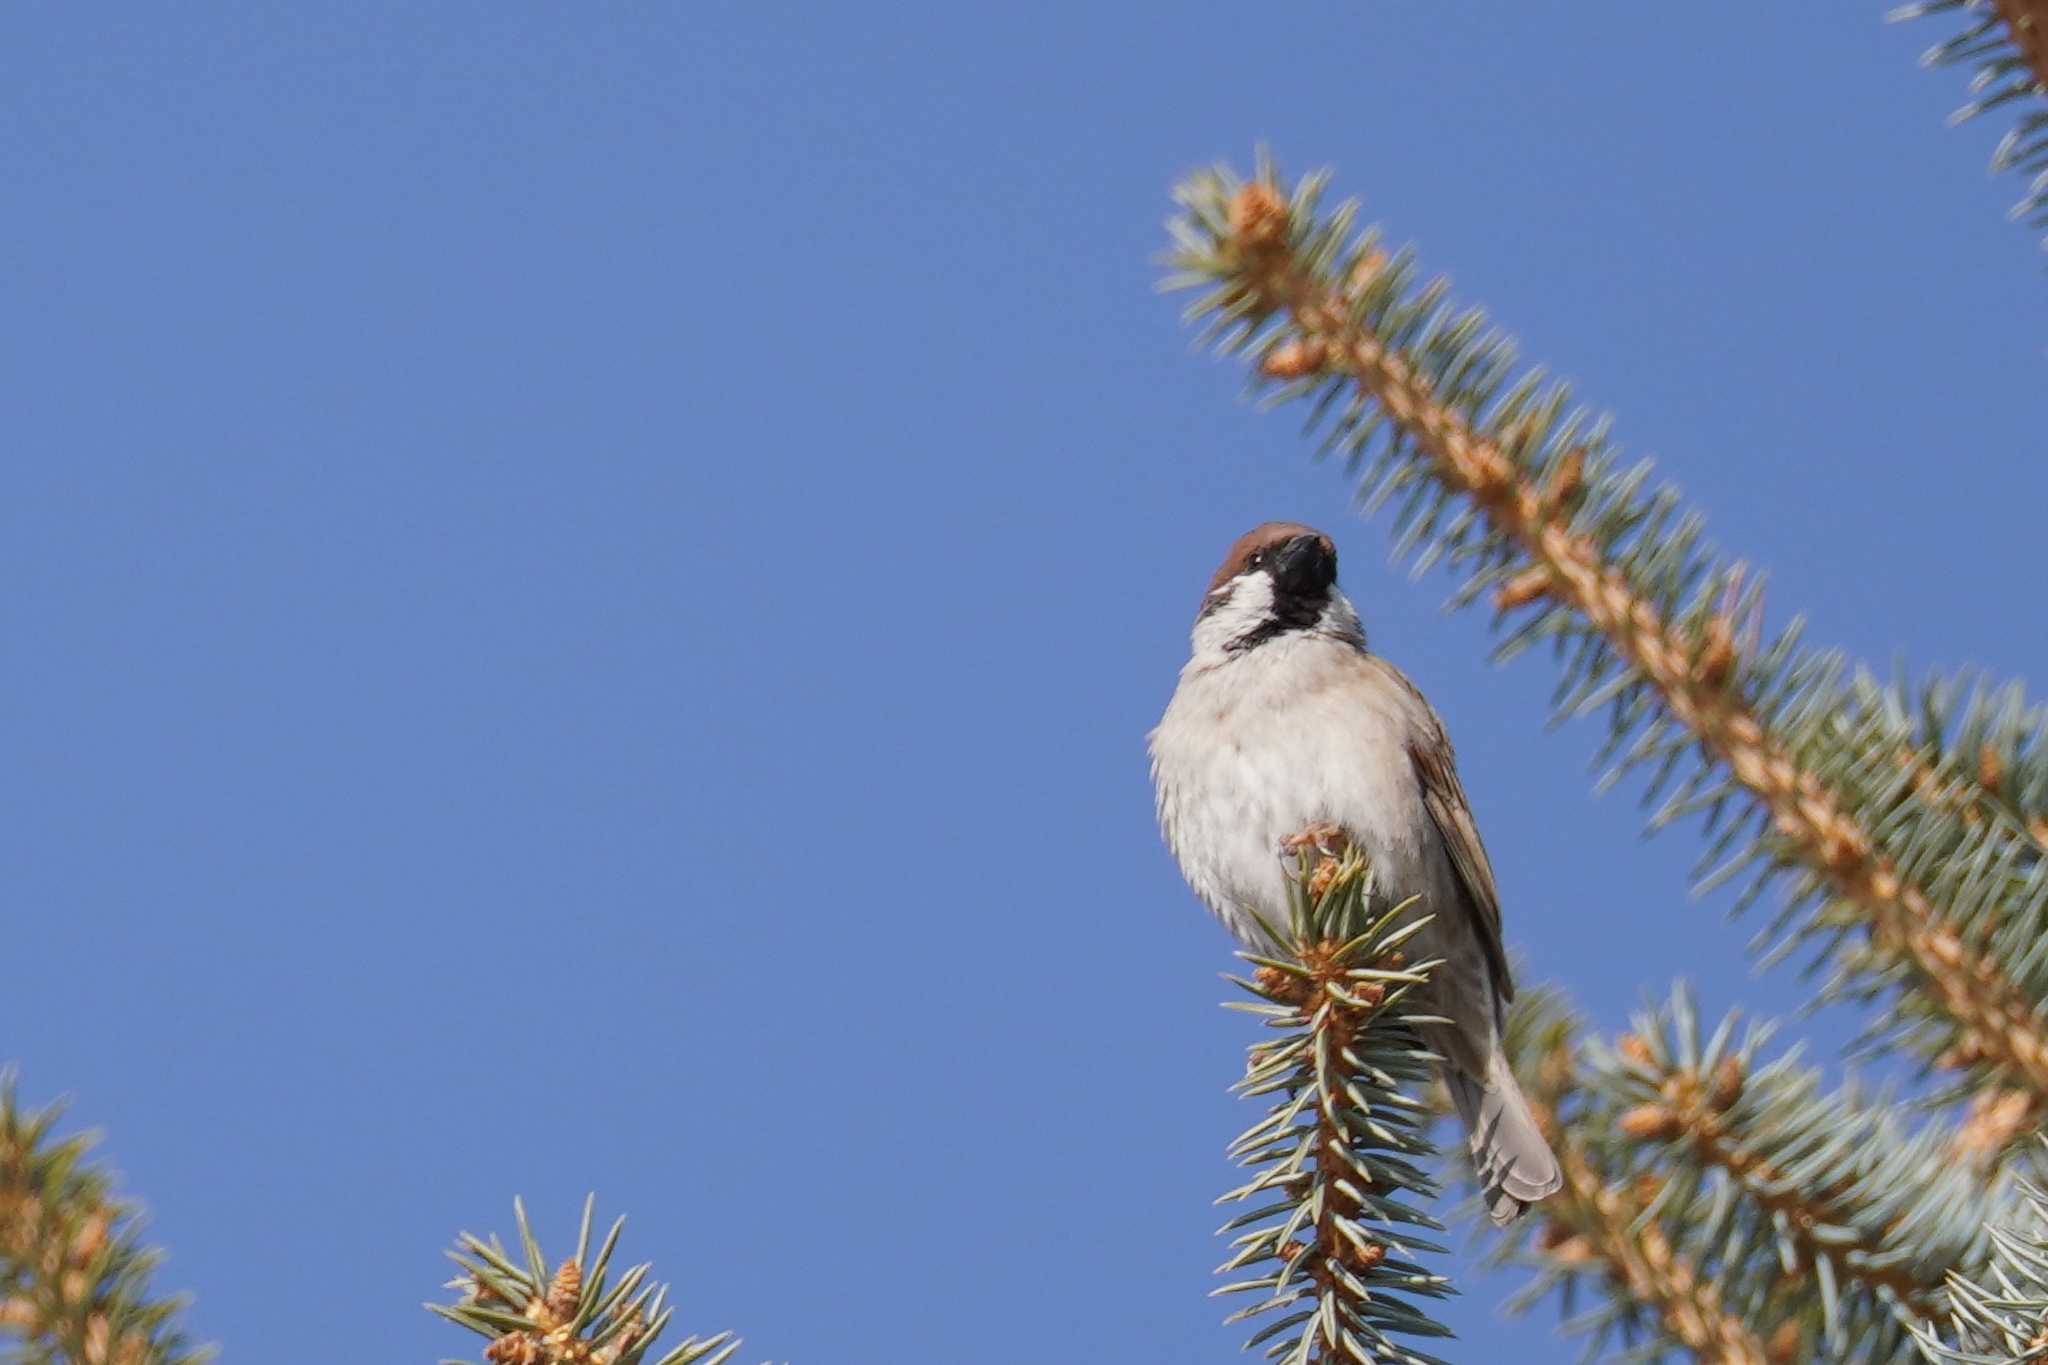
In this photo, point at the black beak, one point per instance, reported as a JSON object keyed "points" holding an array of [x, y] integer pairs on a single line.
{"points": [[1305, 566]]}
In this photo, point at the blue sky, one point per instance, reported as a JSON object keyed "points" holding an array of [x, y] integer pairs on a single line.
{"points": [[586, 584]]}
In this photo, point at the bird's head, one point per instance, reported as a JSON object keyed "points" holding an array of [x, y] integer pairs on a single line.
{"points": [[1279, 579]]}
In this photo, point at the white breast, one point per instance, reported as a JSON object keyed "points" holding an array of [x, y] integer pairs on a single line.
{"points": [[1300, 730]]}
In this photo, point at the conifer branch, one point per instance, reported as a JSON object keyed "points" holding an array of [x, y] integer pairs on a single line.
{"points": [[1692, 1110], [1604, 1223], [1605, 1230], [1828, 1185], [74, 1278], [1980, 750], [2006, 42], [1335, 1188], [1999, 1314], [1525, 493], [1825, 1229], [574, 1315]]}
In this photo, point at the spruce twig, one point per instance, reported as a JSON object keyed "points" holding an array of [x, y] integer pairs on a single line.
{"points": [[575, 1314], [1336, 1192]]}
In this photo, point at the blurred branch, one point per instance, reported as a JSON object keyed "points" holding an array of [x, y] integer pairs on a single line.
{"points": [[2006, 44], [1592, 1220], [74, 1279]]}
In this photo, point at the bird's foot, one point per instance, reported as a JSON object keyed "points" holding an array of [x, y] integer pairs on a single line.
{"points": [[1322, 836], [1326, 845]]}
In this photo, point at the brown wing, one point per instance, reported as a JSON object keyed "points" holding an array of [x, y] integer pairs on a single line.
{"points": [[1444, 798]]}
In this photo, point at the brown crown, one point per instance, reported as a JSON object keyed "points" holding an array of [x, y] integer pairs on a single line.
{"points": [[1259, 538]]}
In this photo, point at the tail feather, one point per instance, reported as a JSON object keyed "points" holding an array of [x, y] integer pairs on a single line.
{"points": [[1513, 1163]]}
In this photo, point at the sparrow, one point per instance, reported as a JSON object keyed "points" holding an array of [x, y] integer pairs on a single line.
{"points": [[1283, 721]]}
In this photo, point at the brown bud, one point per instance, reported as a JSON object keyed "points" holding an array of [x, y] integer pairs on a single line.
{"points": [[564, 1291], [1842, 848], [1524, 588], [1728, 1079], [1295, 359], [514, 1348], [90, 1237], [628, 1337], [99, 1334], [1717, 655], [1635, 1049], [1572, 1250], [1995, 1118], [1990, 769], [1783, 1346], [1258, 217], [1649, 1121], [1282, 986], [1367, 270], [1365, 1258], [1562, 483], [1967, 1052]]}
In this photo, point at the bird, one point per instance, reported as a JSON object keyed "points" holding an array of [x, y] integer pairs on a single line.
{"points": [[1283, 721]]}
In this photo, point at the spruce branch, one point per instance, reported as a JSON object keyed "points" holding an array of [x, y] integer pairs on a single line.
{"points": [[74, 1276], [1999, 1314], [573, 1315], [1607, 1233], [1827, 1184], [1826, 1229], [2006, 42], [1981, 749], [1336, 1187], [1798, 772], [1612, 1226]]}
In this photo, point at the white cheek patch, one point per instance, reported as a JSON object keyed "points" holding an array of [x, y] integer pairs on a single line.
{"points": [[1340, 620], [1247, 604]]}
